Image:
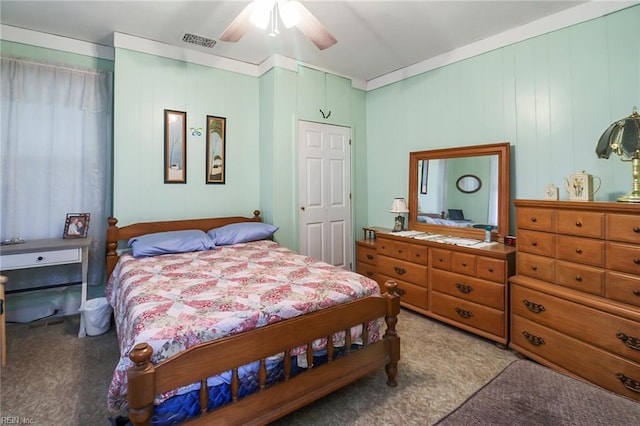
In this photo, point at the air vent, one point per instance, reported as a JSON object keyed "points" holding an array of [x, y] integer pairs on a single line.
{"points": [[199, 40]]}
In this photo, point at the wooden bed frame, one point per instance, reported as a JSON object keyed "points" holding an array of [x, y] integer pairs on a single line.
{"points": [[146, 380]]}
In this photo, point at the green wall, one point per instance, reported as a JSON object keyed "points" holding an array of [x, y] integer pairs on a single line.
{"points": [[146, 85], [551, 97]]}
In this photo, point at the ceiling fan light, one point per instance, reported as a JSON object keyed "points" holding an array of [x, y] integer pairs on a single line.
{"points": [[289, 13], [261, 13]]}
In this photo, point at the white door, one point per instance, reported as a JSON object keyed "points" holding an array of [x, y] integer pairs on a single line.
{"points": [[324, 176]]}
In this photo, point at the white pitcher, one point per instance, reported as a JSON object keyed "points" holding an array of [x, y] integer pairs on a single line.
{"points": [[580, 187]]}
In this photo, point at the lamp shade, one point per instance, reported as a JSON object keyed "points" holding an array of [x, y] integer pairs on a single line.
{"points": [[622, 137], [399, 206]]}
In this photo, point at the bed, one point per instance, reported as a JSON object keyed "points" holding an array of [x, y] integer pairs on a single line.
{"points": [[280, 358]]}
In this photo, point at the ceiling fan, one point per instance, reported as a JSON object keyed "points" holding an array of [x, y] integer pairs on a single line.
{"points": [[261, 13]]}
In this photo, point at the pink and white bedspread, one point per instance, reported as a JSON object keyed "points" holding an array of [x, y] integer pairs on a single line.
{"points": [[176, 301]]}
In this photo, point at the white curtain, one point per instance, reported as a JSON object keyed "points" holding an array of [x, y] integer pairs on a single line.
{"points": [[56, 145]]}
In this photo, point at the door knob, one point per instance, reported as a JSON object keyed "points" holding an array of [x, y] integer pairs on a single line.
{"points": [[302, 208]]}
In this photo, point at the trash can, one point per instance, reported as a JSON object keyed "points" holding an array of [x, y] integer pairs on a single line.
{"points": [[96, 314]]}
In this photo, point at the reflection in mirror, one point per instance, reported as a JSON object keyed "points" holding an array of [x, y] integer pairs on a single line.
{"points": [[446, 199], [468, 184]]}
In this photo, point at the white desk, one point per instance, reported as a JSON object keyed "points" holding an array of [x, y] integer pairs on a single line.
{"points": [[49, 252]]}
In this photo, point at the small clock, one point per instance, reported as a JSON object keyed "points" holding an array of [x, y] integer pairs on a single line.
{"points": [[551, 192]]}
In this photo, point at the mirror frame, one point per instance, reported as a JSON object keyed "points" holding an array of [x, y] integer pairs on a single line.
{"points": [[502, 150]]}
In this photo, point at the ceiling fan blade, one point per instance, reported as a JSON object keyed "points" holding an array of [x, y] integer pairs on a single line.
{"points": [[312, 28], [239, 26]]}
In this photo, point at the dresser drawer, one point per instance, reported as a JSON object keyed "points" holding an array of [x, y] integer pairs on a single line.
{"points": [[623, 227], [469, 288], [538, 267], [402, 270], [623, 257], [541, 243], [463, 263], [418, 254], [581, 223], [366, 269], [580, 277], [491, 269], [366, 254], [395, 249], [582, 250], [409, 293], [478, 316], [441, 259], [536, 219], [573, 355], [45, 258], [601, 329], [623, 288]]}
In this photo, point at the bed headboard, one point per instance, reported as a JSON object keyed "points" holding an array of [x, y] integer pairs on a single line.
{"points": [[116, 234]]}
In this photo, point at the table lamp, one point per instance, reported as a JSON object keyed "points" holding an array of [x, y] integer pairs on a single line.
{"points": [[399, 206], [623, 138]]}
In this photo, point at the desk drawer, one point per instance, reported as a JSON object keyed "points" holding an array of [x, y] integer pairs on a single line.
{"points": [[402, 270], [44, 258], [469, 313]]}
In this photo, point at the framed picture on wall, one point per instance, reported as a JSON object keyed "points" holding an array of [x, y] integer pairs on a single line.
{"points": [[424, 176], [76, 225], [216, 144], [175, 146]]}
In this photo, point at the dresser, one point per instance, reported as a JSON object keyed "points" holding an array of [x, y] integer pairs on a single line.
{"points": [[575, 298], [49, 252], [462, 286]]}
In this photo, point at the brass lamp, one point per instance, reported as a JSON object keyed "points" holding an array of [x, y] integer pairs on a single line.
{"points": [[623, 138], [399, 206]]}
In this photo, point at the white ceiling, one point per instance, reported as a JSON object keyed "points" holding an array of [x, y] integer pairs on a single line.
{"points": [[375, 38]]}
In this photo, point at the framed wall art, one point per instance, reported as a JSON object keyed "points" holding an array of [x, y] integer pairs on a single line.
{"points": [[76, 225], [175, 146], [424, 177], [216, 144]]}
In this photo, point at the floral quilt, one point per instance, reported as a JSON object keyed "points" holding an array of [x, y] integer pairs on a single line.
{"points": [[176, 301]]}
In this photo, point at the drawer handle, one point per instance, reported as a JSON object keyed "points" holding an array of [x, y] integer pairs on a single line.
{"points": [[578, 224], [399, 251], [534, 243], [462, 288], [491, 270], [399, 271], [463, 313], [401, 292], [579, 250], [440, 259], [629, 383], [631, 342], [636, 292], [636, 229], [464, 265], [636, 261], [534, 340], [579, 278], [370, 257], [533, 219], [533, 307], [40, 259], [534, 267], [369, 274]]}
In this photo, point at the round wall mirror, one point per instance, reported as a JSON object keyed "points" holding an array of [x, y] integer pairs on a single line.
{"points": [[468, 184]]}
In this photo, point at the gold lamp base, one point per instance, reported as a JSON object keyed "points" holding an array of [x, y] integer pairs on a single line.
{"points": [[629, 198]]}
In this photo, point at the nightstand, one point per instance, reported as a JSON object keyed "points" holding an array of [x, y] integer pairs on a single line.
{"points": [[49, 252]]}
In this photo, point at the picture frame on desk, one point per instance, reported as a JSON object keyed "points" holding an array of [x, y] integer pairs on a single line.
{"points": [[76, 225]]}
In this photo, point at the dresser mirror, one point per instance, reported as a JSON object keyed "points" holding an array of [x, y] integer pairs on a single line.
{"points": [[460, 191]]}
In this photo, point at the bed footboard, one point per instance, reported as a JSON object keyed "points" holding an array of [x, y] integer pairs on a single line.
{"points": [[269, 403]]}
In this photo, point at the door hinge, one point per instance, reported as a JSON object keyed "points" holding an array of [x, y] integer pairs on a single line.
{"points": [[349, 141], [349, 195]]}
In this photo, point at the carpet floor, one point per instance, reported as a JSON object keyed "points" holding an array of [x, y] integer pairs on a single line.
{"points": [[55, 378]]}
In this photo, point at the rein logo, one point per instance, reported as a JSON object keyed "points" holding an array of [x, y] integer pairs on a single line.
{"points": [[16, 420]]}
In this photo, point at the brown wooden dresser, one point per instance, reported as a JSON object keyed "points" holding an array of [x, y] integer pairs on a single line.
{"points": [[575, 298], [462, 286]]}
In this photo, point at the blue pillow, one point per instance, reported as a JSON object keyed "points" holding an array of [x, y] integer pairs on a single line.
{"points": [[241, 232], [170, 242]]}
